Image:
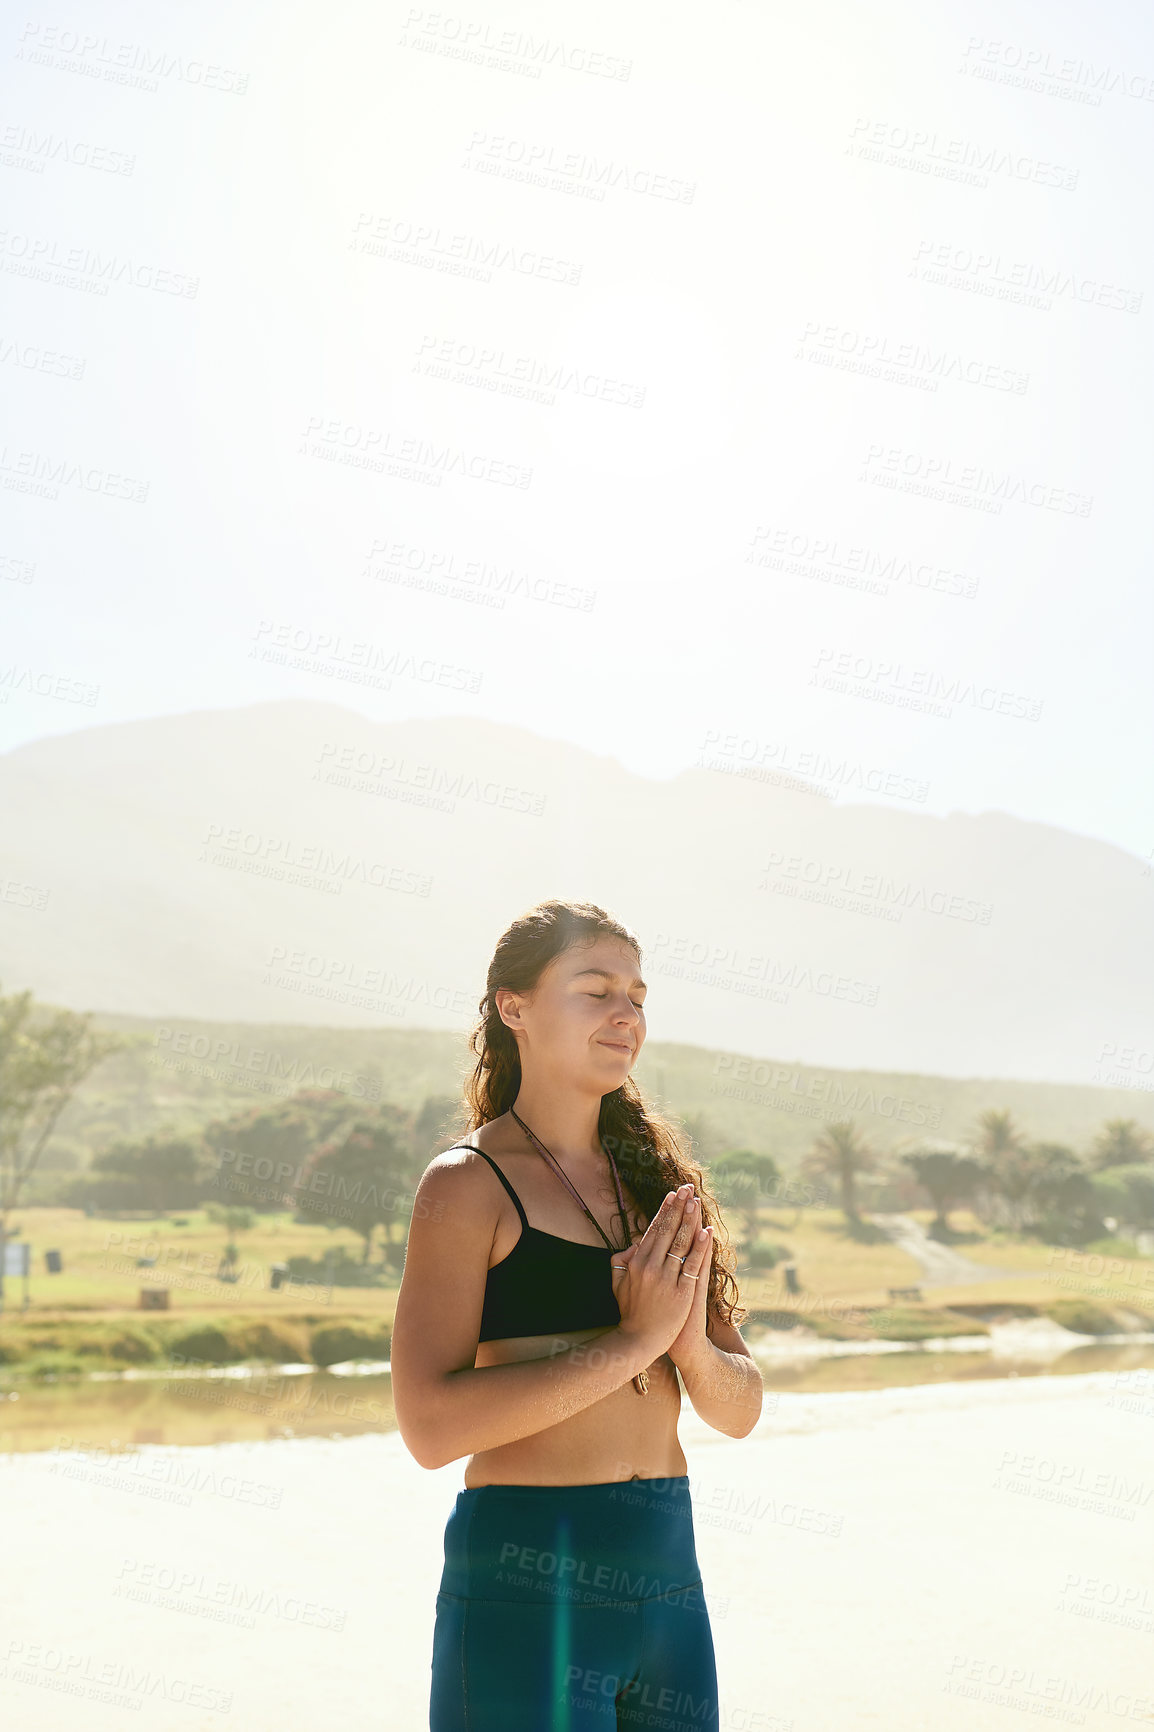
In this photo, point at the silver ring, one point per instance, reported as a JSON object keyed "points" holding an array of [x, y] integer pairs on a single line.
{"points": [[621, 1265], [674, 1254], [689, 1277]]}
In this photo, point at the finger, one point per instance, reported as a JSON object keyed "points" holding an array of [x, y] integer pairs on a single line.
{"points": [[682, 1239], [697, 1265], [697, 1261], [666, 1222]]}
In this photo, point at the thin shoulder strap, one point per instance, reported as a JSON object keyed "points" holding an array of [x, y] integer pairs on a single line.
{"points": [[500, 1175]]}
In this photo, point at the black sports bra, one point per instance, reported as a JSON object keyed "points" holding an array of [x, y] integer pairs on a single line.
{"points": [[546, 1285]]}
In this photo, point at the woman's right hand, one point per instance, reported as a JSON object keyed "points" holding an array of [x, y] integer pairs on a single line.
{"points": [[652, 1288]]}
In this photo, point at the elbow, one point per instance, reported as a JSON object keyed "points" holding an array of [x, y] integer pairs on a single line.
{"points": [[425, 1450], [425, 1439]]}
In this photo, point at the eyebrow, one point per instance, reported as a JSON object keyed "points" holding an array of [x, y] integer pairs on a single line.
{"points": [[606, 974]]}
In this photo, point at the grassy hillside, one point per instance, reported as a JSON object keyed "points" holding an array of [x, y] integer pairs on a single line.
{"points": [[188, 1073]]}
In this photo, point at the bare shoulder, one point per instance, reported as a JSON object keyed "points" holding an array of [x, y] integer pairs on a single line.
{"points": [[455, 1185]]}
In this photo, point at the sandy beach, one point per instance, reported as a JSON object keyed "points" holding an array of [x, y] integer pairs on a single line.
{"points": [[947, 1558]]}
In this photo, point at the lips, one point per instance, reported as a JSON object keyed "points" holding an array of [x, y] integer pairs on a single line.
{"points": [[616, 1045]]}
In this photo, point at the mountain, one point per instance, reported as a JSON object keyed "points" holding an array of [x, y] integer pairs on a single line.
{"points": [[294, 862]]}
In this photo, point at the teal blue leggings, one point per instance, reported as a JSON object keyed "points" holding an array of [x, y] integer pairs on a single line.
{"points": [[573, 1608]]}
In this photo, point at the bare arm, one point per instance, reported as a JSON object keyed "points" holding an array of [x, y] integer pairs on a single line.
{"points": [[445, 1406], [722, 1380]]}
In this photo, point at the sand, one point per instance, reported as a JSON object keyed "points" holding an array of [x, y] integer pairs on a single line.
{"points": [[966, 1556]]}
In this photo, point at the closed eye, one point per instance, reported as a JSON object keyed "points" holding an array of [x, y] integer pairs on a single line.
{"points": [[632, 1001]]}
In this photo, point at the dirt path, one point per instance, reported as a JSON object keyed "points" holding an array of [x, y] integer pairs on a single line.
{"points": [[941, 1265]]}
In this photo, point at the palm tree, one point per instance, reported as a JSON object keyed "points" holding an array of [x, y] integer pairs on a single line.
{"points": [[998, 1145], [1121, 1143], [842, 1153]]}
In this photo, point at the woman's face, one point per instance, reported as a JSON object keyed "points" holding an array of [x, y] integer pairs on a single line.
{"points": [[585, 1018]]}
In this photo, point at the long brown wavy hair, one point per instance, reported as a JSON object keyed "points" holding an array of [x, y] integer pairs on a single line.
{"points": [[646, 1146]]}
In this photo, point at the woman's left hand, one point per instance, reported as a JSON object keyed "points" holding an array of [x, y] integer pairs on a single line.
{"points": [[691, 1340]]}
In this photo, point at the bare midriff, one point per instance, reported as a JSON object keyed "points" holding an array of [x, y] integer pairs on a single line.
{"points": [[624, 1435]]}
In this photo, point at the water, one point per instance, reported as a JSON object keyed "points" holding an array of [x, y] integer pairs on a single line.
{"points": [[123, 1411]]}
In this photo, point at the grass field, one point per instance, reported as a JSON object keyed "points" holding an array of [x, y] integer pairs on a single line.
{"points": [[101, 1273]]}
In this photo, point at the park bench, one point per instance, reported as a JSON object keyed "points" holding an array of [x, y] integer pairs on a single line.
{"points": [[904, 1292]]}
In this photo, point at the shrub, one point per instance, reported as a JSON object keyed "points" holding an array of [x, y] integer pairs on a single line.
{"points": [[333, 1343], [281, 1342], [339, 1270], [766, 1254], [209, 1343], [1083, 1316]]}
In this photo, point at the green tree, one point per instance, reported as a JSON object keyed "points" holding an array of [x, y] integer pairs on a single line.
{"points": [[364, 1176], [1066, 1207], [44, 1056], [948, 1176], [161, 1172], [277, 1141], [740, 1179], [842, 1154], [234, 1221], [1127, 1194]]}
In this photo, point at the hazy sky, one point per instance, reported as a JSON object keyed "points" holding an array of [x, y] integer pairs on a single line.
{"points": [[756, 381]]}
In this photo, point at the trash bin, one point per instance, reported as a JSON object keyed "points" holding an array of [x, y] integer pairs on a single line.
{"points": [[793, 1285], [278, 1275], [53, 1262]]}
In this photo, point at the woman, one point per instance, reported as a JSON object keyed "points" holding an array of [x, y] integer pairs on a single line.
{"points": [[560, 1265]]}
